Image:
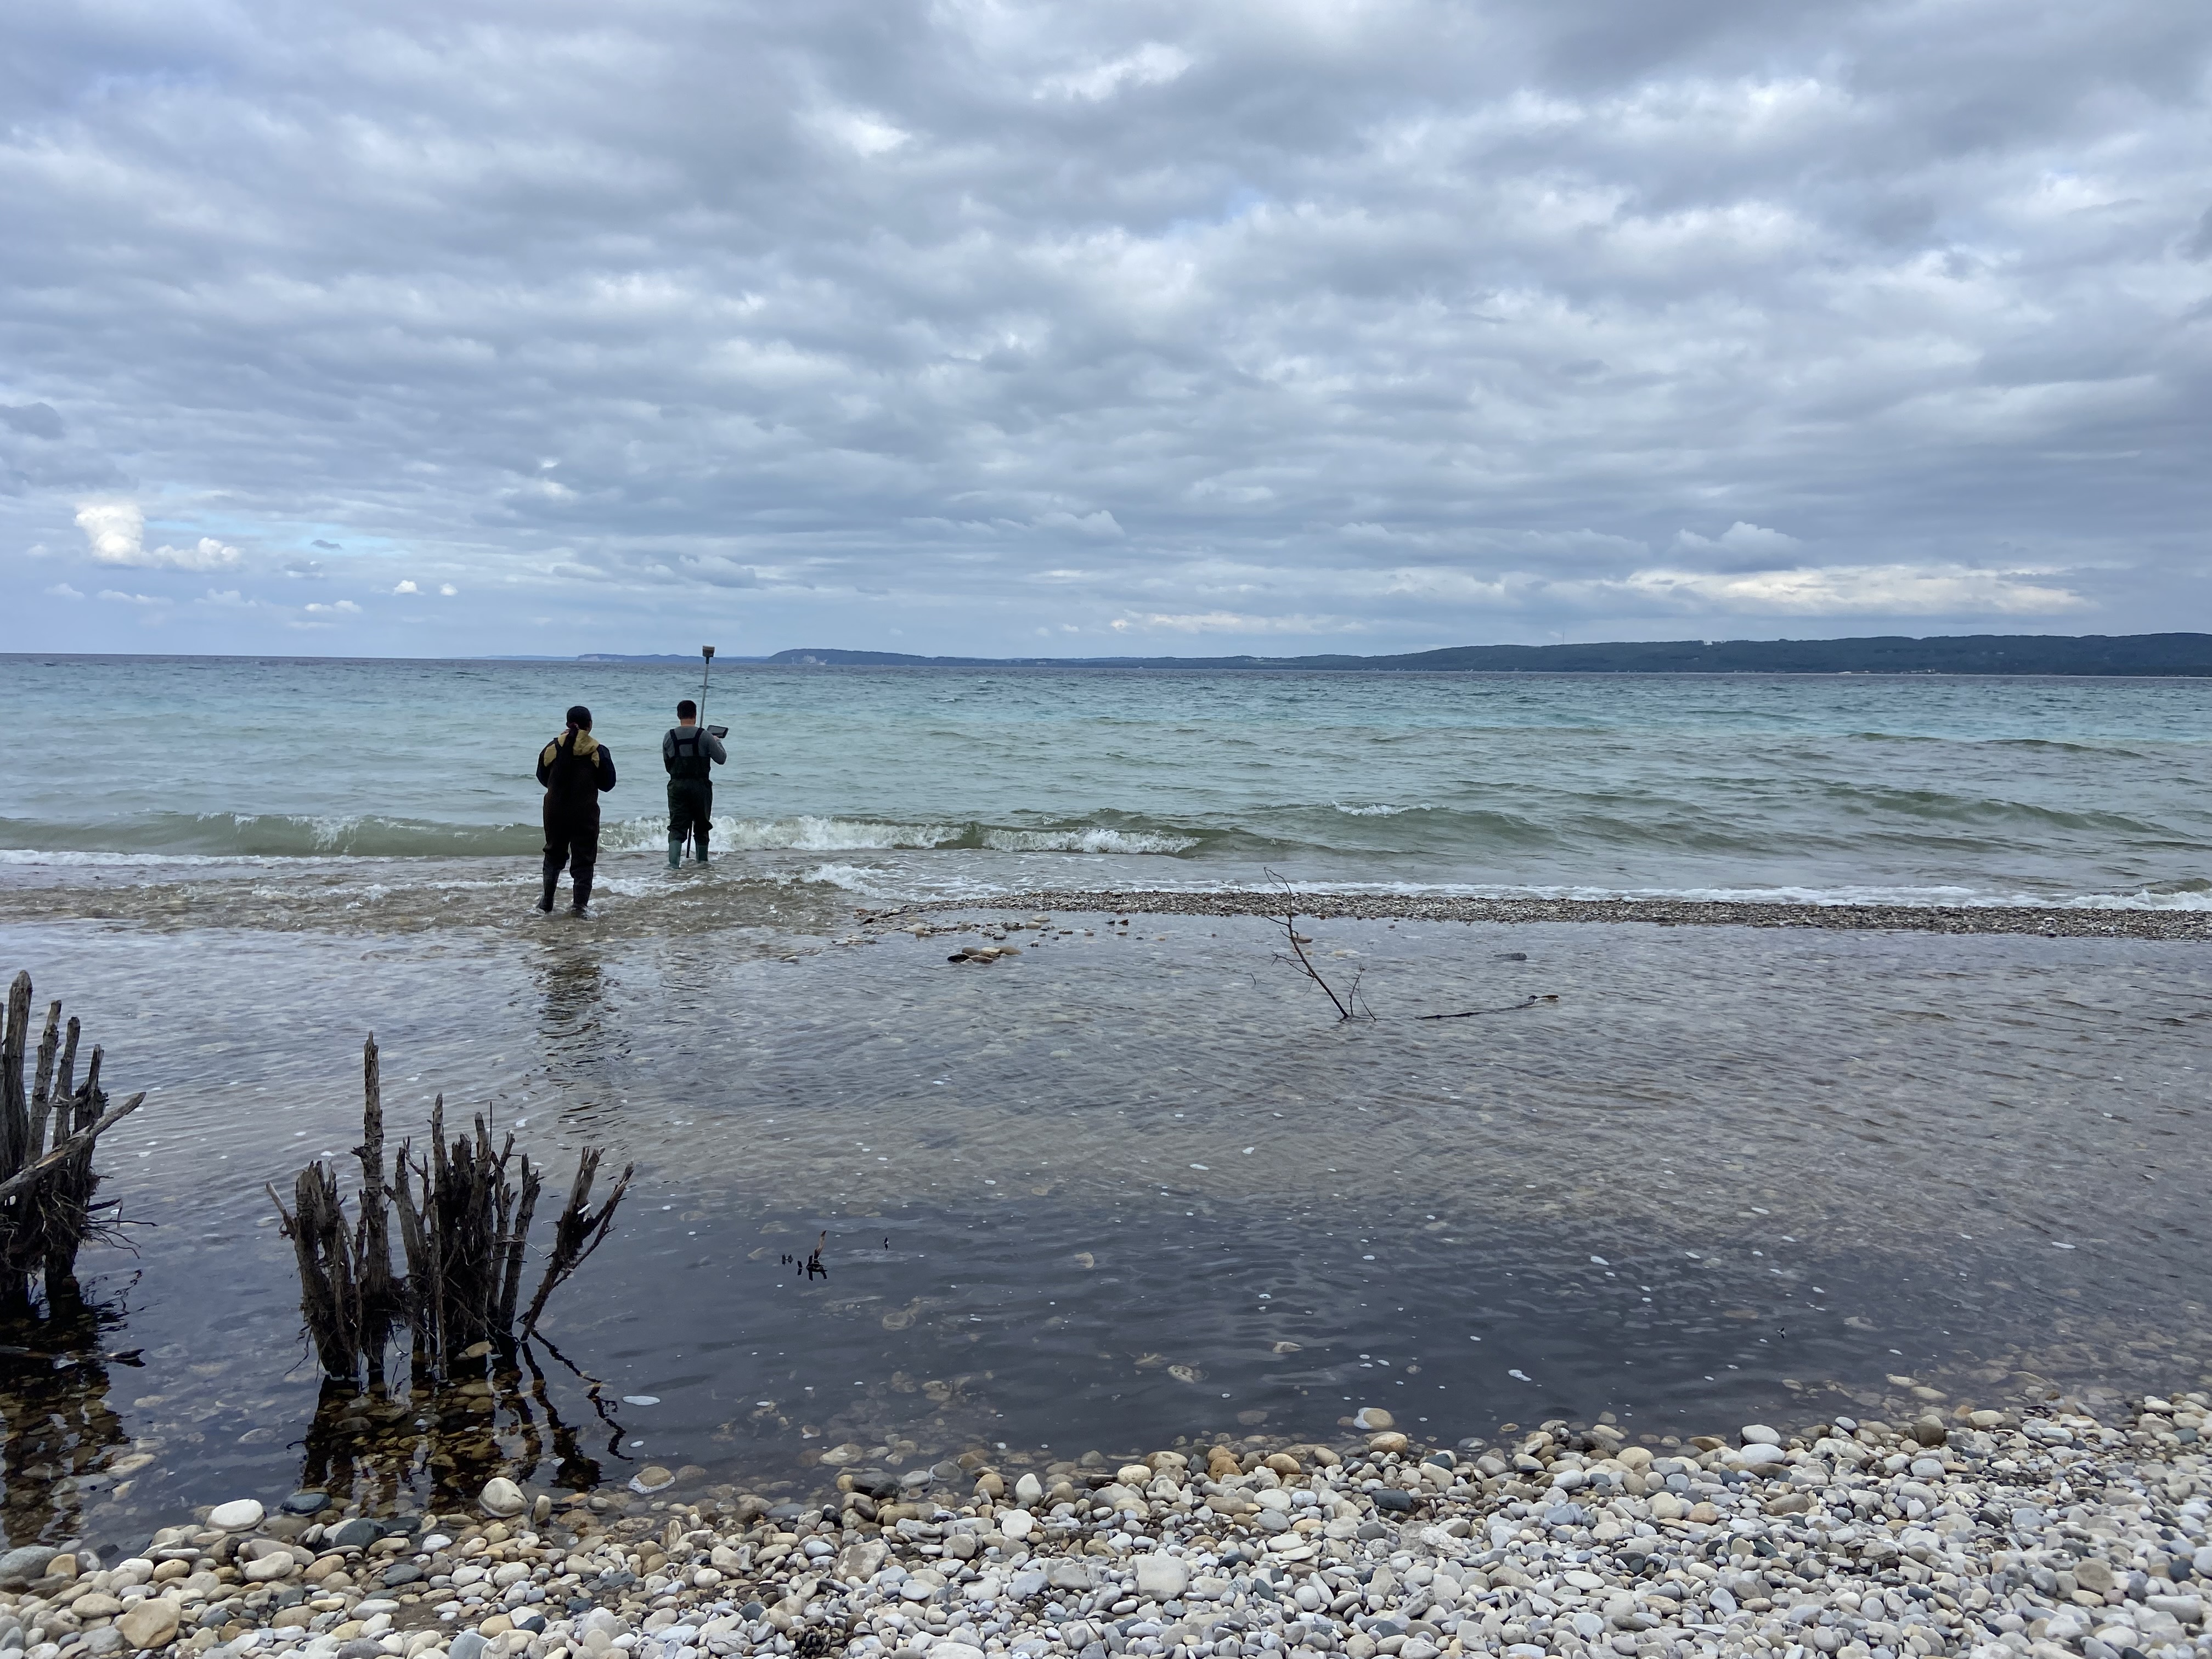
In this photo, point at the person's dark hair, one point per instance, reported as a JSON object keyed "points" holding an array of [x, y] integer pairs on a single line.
{"points": [[580, 718], [687, 710]]}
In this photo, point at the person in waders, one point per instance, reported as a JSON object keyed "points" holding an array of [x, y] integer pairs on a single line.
{"points": [[688, 751], [575, 770]]}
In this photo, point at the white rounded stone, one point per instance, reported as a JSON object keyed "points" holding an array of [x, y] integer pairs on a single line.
{"points": [[502, 1496]]}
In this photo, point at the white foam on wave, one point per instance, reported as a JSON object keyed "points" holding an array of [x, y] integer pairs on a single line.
{"points": [[804, 834], [1086, 840], [852, 878], [810, 834], [1381, 809]]}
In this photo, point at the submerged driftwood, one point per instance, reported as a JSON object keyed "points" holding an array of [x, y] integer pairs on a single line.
{"points": [[464, 1213], [48, 1131]]}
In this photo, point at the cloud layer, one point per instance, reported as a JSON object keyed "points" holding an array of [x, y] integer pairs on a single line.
{"points": [[976, 326]]}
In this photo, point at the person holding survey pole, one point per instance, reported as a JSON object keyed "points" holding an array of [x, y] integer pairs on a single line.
{"points": [[690, 750]]}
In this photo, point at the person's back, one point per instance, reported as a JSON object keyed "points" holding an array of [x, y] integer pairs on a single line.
{"points": [[690, 752], [574, 770]]}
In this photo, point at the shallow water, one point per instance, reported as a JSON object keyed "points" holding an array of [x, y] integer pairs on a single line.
{"points": [[1122, 1190]]}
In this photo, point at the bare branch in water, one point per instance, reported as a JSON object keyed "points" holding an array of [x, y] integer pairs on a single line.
{"points": [[1512, 1007], [1348, 1004]]}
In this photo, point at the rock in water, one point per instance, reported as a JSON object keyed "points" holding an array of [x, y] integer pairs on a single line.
{"points": [[1161, 1577], [1758, 1434], [236, 1515], [652, 1478], [152, 1623], [19, 1567], [502, 1497], [1373, 1417]]}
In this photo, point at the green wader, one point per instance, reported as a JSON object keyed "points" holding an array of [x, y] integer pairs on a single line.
{"points": [[690, 795]]}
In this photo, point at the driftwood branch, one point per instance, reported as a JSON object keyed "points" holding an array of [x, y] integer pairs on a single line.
{"points": [[46, 1208], [1347, 1004], [28, 1176], [580, 1230]]}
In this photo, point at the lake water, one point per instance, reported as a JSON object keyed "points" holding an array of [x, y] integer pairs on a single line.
{"points": [[1138, 1182], [891, 782]]}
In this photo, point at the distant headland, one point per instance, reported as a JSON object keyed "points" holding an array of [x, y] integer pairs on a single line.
{"points": [[2128, 654]]}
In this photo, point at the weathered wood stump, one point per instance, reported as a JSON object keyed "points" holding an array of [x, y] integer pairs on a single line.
{"points": [[464, 1213], [46, 1207]]}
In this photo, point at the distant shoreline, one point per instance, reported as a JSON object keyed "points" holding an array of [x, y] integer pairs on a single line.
{"points": [[2088, 656], [2047, 922]]}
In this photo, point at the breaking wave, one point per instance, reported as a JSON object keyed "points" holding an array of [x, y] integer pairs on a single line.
{"points": [[222, 837]]}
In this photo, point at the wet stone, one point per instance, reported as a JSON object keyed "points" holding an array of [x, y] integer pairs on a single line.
{"points": [[237, 1515], [19, 1567], [355, 1534], [305, 1502]]}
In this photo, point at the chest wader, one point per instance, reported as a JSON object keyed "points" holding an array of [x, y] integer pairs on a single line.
{"points": [[571, 819], [690, 794]]}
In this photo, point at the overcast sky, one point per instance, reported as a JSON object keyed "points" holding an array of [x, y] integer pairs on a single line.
{"points": [[525, 326]]}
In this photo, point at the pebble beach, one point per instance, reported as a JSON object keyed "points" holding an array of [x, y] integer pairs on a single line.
{"points": [[2047, 1532], [2043, 920]]}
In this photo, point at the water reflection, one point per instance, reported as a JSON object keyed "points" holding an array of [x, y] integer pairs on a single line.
{"points": [[367, 1450], [65, 1442], [572, 992]]}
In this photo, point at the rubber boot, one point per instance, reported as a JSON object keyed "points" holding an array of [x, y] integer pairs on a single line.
{"points": [[545, 900], [675, 851], [583, 898], [698, 849]]}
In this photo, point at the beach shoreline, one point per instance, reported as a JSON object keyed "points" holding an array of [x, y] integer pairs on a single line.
{"points": [[2037, 1531], [2050, 921]]}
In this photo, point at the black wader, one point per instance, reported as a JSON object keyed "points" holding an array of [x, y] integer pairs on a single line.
{"points": [[690, 794], [573, 783]]}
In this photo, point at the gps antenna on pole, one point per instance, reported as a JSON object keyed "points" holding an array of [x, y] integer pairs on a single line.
{"points": [[708, 652]]}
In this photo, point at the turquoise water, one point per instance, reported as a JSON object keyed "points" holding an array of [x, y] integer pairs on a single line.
{"points": [[892, 782]]}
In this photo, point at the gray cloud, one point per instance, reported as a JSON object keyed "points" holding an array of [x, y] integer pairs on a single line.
{"points": [[1144, 327]]}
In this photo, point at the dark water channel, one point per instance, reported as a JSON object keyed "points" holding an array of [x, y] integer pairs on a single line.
{"points": [[1124, 1190]]}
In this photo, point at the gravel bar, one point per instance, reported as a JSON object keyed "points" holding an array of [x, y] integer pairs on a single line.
{"points": [[2036, 1534], [2049, 923]]}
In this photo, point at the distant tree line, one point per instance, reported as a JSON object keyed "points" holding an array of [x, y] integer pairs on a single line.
{"points": [[2128, 654]]}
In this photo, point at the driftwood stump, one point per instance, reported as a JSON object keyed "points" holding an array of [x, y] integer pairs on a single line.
{"points": [[464, 1213], [46, 1207]]}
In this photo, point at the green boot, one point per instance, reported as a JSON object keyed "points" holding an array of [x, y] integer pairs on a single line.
{"points": [[675, 851]]}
